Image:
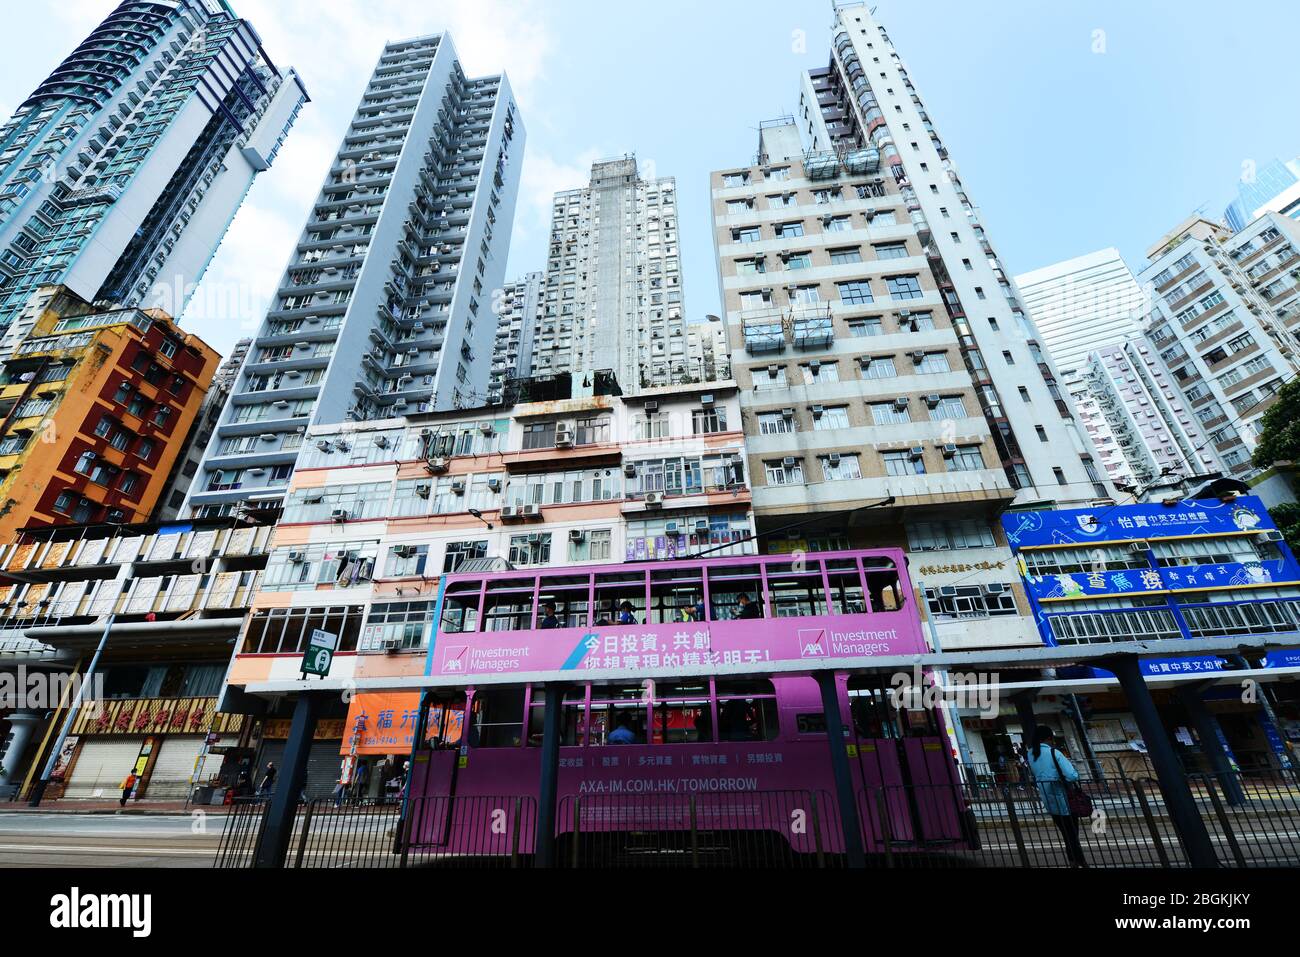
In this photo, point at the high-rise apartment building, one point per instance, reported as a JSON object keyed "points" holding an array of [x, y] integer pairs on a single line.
{"points": [[121, 172], [95, 407], [893, 385], [1081, 305], [518, 309], [1224, 313], [613, 298], [1144, 432], [386, 307]]}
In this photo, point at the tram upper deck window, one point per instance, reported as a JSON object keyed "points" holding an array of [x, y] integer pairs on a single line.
{"points": [[683, 712], [796, 589], [727, 584], [497, 719], [620, 598], [847, 596], [746, 710], [883, 585], [460, 608], [571, 596], [508, 605], [676, 595]]}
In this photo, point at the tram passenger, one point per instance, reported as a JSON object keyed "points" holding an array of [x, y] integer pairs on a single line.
{"points": [[748, 608], [626, 614], [623, 734], [548, 621]]}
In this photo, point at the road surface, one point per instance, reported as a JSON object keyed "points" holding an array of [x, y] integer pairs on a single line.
{"points": [[106, 840]]}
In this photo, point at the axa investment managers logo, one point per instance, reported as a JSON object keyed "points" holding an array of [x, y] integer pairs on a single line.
{"points": [[812, 643], [75, 910]]}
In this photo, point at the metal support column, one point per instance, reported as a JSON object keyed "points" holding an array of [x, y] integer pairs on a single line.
{"points": [[550, 781], [1207, 729], [840, 767], [1169, 772], [277, 829], [1024, 702]]}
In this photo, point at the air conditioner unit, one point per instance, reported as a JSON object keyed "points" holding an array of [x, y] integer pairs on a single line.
{"points": [[949, 451], [494, 485], [564, 438], [458, 488], [789, 461], [339, 515], [532, 511], [487, 428], [577, 535], [918, 358], [399, 404], [833, 460], [918, 452], [423, 491], [706, 400], [1139, 547], [672, 528], [297, 558], [652, 406], [933, 400], [390, 645], [404, 551], [510, 512], [438, 465], [702, 525], [901, 402], [1271, 535], [818, 411], [654, 499], [382, 442], [629, 469]]}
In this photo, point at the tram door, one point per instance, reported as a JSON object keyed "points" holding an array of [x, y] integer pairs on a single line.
{"points": [[902, 750], [434, 773]]}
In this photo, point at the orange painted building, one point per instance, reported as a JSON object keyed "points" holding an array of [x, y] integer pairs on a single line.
{"points": [[95, 407]]}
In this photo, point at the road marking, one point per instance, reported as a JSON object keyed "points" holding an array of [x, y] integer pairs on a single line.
{"points": [[92, 848]]}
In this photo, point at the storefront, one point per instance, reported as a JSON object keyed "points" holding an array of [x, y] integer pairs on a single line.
{"points": [[161, 740], [323, 763]]}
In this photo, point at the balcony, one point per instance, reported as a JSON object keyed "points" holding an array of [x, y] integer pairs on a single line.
{"points": [[764, 332], [811, 327]]}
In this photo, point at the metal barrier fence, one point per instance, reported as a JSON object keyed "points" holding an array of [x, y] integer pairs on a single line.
{"points": [[1253, 820]]}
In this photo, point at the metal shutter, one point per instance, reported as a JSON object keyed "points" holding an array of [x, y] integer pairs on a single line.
{"points": [[322, 765], [101, 766], [170, 779]]}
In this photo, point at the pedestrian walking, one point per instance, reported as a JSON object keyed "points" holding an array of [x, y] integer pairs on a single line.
{"points": [[128, 785], [1055, 776]]}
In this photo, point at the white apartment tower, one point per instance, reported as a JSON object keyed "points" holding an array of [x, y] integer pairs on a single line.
{"points": [[1081, 305], [1225, 312], [386, 307], [708, 351], [121, 172], [866, 99], [613, 297], [518, 309]]}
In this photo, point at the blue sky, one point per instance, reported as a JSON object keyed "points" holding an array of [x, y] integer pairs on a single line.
{"points": [[1065, 149]]}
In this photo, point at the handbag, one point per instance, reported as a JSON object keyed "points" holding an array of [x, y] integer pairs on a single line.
{"points": [[1076, 799]]}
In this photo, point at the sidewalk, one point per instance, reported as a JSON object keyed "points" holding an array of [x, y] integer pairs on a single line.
{"points": [[138, 808]]}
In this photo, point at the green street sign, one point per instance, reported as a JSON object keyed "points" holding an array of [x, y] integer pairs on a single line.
{"points": [[320, 653]]}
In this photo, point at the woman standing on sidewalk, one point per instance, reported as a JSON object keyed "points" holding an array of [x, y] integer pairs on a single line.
{"points": [[1052, 771]]}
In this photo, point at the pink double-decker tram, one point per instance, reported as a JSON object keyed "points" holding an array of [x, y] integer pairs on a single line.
{"points": [[686, 679]]}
